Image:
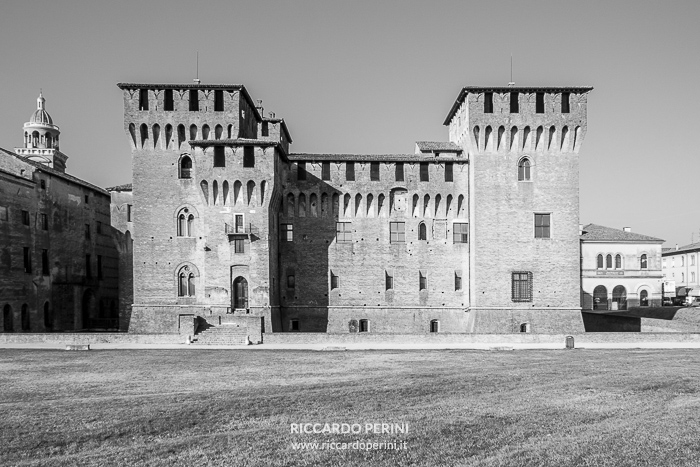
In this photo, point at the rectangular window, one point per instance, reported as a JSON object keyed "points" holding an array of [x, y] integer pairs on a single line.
{"points": [[27, 260], [99, 227], [128, 212], [542, 225], [334, 281], [301, 171], [458, 280], [388, 280], [238, 223], [168, 103], [265, 129], [291, 283], [287, 232], [397, 232], [87, 199], [343, 232], [25, 217], [45, 262], [249, 156], [424, 172], [219, 157], [399, 172], [194, 100], [294, 325], [539, 102], [44, 222], [374, 171], [3, 213], [350, 171], [521, 286], [514, 106], [143, 99], [42, 184], [325, 171], [449, 173], [87, 231], [88, 266], [488, 102], [239, 245], [565, 102], [422, 280], [99, 267], [218, 100], [460, 232]]}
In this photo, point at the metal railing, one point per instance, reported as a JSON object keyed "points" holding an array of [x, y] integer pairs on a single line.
{"points": [[244, 229]]}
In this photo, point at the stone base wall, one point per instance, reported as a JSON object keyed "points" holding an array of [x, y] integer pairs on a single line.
{"points": [[90, 338], [537, 320]]}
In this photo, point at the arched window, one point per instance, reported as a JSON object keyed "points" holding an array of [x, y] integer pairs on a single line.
{"points": [[682, 261], [180, 135], [643, 298], [524, 327], [422, 231], [643, 262], [185, 223], [7, 321], [186, 167], [524, 170], [205, 131], [608, 262], [618, 262], [600, 261], [48, 319], [240, 293], [186, 281], [619, 296], [25, 318], [600, 298]]}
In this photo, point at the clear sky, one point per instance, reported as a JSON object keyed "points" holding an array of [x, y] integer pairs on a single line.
{"points": [[375, 76]]}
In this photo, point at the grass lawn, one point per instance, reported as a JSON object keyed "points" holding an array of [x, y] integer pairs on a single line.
{"points": [[235, 407]]}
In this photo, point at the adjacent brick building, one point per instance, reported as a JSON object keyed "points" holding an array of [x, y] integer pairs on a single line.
{"points": [[475, 234], [58, 251]]}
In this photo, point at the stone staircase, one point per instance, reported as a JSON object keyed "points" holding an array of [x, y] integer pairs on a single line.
{"points": [[222, 335]]}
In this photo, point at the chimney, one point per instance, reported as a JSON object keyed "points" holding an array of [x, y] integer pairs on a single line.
{"points": [[627, 229], [272, 114], [259, 108], [676, 246]]}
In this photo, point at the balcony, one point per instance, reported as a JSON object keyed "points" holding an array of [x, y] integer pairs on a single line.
{"points": [[241, 230]]}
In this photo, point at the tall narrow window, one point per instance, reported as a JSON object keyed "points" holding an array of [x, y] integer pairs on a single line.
{"points": [[25, 217], [48, 319], [45, 262], [287, 232], [219, 156], [524, 170], [458, 280], [186, 167], [128, 212], [88, 266], [238, 223], [218, 100], [291, 282], [301, 171], [168, 103], [618, 262], [514, 106], [350, 171], [374, 171], [99, 267], [265, 129], [565, 102], [539, 103], [343, 232], [399, 172], [449, 173], [99, 228], [397, 232], [600, 262], [488, 102], [608, 262], [25, 318], [643, 262], [44, 222], [424, 172], [248, 156], [143, 99], [194, 100], [460, 232], [422, 231], [334, 281], [422, 280], [542, 225], [325, 171], [521, 286], [388, 280], [87, 231]]}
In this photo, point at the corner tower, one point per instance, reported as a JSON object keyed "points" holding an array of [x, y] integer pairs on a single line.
{"points": [[204, 184], [523, 145]]}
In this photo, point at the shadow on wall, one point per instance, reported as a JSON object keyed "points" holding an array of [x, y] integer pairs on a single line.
{"points": [[597, 322], [308, 214]]}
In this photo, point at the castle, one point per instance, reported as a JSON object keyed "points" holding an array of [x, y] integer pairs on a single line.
{"points": [[479, 233]]}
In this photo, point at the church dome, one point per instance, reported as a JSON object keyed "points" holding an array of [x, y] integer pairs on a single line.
{"points": [[40, 115]]}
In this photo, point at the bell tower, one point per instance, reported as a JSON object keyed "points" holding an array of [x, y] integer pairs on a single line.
{"points": [[41, 139]]}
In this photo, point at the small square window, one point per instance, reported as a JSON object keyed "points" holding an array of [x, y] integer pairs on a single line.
{"points": [[542, 225], [521, 286], [460, 232], [424, 172], [287, 232], [343, 232], [397, 232], [25, 217], [294, 325]]}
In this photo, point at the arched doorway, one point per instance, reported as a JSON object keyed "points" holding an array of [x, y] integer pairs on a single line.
{"points": [[600, 298], [88, 308], [7, 325], [240, 293], [643, 298], [620, 297]]}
